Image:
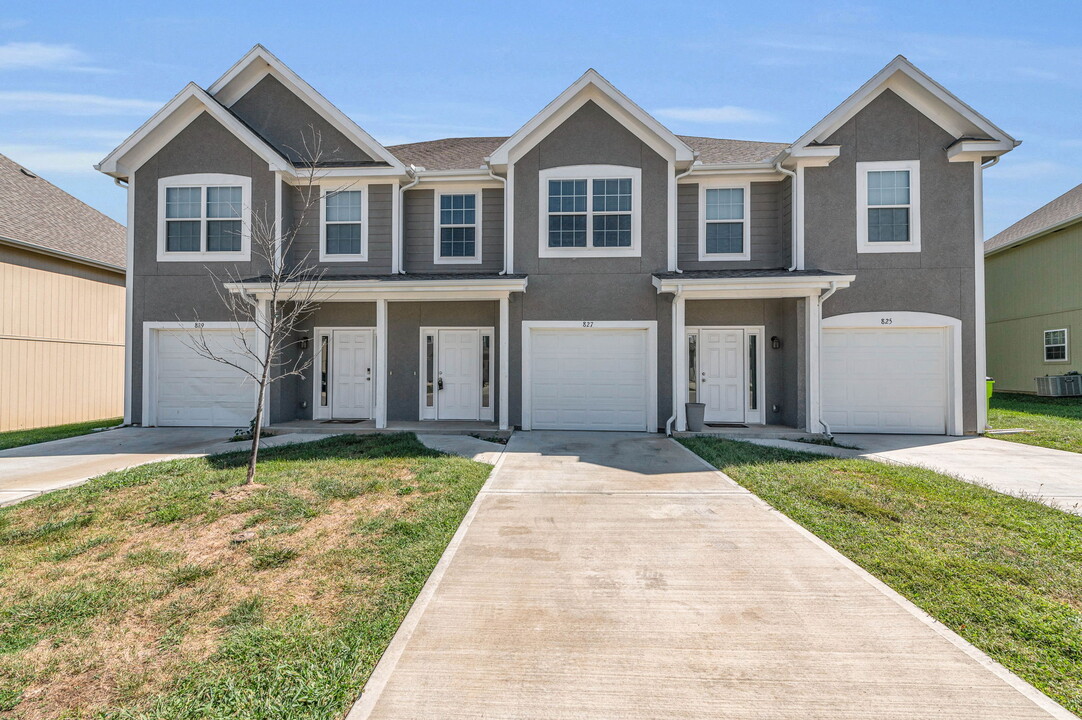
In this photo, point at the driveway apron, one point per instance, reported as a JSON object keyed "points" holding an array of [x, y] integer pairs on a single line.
{"points": [[613, 575]]}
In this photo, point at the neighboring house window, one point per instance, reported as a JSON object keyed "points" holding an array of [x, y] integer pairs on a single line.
{"points": [[888, 206], [1055, 346], [724, 228], [343, 230], [458, 227], [589, 210], [203, 217]]}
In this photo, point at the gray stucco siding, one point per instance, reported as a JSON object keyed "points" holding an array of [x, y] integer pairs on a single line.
{"points": [[292, 126], [166, 291], [303, 248], [940, 278], [420, 233], [770, 235]]}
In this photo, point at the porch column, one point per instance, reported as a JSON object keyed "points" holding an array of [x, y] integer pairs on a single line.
{"points": [[381, 363], [813, 314], [262, 311], [680, 363], [505, 361]]}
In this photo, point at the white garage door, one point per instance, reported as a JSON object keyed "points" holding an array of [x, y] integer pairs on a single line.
{"points": [[192, 390], [589, 379], [885, 380]]}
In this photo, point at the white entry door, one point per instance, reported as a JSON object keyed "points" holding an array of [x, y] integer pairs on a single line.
{"points": [[458, 379], [721, 375], [351, 374]]}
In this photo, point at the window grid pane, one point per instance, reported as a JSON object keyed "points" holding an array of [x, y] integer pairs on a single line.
{"points": [[458, 209], [612, 231], [458, 242], [223, 202], [567, 196], [567, 231], [725, 204], [724, 238], [1055, 345], [888, 225], [344, 239], [223, 236], [344, 206], [182, 236], [612, 195], [183, 202], [888, 187]]}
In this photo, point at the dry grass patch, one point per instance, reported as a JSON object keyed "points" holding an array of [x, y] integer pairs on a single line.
{"points": [[132, 597]]}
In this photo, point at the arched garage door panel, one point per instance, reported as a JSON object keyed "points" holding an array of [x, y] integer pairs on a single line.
{"points": [[885, 380]]}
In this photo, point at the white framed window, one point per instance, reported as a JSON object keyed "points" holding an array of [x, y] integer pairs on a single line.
{"points": [[205, 217], [589, 211], [725, 221], [1055, 346], [343, 227], [888, 206], [458, 227]]}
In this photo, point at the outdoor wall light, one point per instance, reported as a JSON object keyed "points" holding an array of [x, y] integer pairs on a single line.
{"points": [[775, 342], [304, 343]]}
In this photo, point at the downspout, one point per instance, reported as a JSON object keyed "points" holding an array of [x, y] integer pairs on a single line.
{"points": [[412, 172], [503, 181], [675, 348], [822, 298], [792, 213], [676, 181]]}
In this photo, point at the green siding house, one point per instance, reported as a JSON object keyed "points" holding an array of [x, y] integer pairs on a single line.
{"points": [[1033, 286]]}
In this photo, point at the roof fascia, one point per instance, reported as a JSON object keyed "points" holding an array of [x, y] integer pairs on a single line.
{"points": [[174, 116], [915, 81], [247, 72], [592, 86]]}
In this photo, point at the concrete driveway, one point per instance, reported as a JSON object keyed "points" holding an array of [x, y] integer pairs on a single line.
{"points": [[611, 575], [1051, 476], [33, 469]]}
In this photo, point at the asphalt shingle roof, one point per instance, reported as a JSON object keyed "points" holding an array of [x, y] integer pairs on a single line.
{"points": [[36, 212], [469, 153], [1065, 207]]}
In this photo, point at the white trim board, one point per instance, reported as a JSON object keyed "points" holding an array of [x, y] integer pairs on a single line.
{"points": [[650, 326], [907, 319]]}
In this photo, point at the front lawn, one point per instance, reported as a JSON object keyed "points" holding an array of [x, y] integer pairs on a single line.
{"points": [[1004, 573], [17, 438], [171, 591], [1055, 422]]}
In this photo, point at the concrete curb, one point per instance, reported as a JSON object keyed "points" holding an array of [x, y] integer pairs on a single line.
{"points": [[1028, 691], [381, 674]]}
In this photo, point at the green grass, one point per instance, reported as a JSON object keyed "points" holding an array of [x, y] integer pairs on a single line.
{"points": [[130, 598], [18, 438], [1055, 422], [1004, 573]]}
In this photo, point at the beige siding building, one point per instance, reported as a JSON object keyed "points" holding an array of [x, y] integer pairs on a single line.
{"points": [[61, 306], [1034, 293]]}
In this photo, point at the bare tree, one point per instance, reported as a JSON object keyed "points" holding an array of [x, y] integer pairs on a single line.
{"points": [[288, 295]]}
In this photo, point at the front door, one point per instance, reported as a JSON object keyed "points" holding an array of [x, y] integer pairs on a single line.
{"points": [[351, 374], [721, 375], [458, 379]]}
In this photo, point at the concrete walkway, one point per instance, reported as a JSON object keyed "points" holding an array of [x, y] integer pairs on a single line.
{"points": [[1053, 477], [35, 469], [611, 575]]}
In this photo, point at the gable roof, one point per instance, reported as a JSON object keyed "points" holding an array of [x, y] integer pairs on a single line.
{"points": [[174, 116], [592, 86], [926, 95], [35, 213], [260, 62], [1063, 211], [469, 153]]}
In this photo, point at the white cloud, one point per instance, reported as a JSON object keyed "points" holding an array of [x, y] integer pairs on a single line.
{"points": [[723, 114], [43, 56], [47, 159], [73, 104]]}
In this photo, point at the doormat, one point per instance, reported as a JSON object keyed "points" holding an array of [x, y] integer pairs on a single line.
{"points": [[726, 425], [341, 422]]}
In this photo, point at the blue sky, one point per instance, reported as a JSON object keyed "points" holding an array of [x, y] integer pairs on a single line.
{"points": [[76, 77]]}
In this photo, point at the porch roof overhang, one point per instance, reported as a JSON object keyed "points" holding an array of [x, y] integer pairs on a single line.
{"points": [[400, 288], [743, 284]]}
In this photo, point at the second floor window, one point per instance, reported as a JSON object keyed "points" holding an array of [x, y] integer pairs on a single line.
{"points": [[589, 210], [723, 231], [458, 228], [203, 216], [888, 206], [343, 226]]}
